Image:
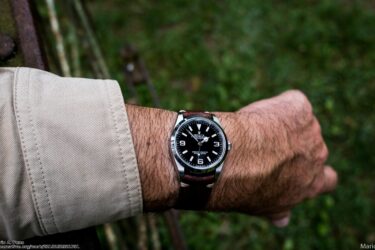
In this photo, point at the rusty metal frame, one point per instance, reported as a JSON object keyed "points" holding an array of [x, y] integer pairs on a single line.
{"points": [[31, 49], [28, 38]]}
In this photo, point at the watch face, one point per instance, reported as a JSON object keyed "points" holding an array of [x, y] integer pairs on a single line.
{"points": [[199, 143]]}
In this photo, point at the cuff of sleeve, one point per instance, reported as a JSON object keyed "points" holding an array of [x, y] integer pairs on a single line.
{"points": [[78, 150]]}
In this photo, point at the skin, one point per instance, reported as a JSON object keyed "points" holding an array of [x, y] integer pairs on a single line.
{"points": [[277, 159]]}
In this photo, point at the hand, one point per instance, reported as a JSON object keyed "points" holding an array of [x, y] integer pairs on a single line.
{"points": [[205, 139], [277, 159]]}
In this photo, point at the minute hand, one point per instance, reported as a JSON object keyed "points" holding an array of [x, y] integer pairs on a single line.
{"points": [[192, 136]]}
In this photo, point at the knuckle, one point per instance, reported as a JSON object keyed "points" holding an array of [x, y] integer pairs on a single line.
{"points": [[323, 154], [319, 183], [298, 94], [302, 102]]}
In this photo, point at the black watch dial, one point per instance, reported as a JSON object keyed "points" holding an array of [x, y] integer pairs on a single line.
{"points": [[200, 143]]}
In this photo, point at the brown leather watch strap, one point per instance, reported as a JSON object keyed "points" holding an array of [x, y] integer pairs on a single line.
{"points": [[196, 194], [198, 113], [192, 179]]}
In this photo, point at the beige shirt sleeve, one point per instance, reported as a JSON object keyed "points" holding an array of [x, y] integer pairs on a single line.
{"points": [[67, 160]]}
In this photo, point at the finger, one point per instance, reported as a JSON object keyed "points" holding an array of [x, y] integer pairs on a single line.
{"points": [[324, 182], [280, 219], [330, 180], [281, 222]]}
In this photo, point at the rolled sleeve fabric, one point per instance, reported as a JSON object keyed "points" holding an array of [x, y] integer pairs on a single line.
{"points": [[67, 160]]}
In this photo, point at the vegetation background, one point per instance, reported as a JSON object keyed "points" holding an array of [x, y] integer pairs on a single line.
{"points": [[222, 55]]}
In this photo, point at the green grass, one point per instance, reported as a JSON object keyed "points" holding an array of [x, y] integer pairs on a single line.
{"points": [[221, 55]]}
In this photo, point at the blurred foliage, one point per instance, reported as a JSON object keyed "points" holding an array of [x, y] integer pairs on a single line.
{"points": [[221, 55]]}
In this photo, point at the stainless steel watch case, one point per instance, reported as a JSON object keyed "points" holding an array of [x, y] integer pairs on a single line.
{"points": [[180, 165]]}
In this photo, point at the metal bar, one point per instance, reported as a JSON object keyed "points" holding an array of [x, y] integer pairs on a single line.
{"points": [[150, 85], [178, 240], [136, 72], [30, 44], [7, 47]]}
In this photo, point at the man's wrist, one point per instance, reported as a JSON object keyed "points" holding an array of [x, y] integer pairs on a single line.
{"points": [[151, 129], [233, 130]]}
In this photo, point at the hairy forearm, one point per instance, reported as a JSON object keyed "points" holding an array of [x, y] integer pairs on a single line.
{"points": [[151, 130]]}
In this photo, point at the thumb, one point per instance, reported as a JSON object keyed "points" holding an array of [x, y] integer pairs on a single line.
{"points": [[280, 219]]}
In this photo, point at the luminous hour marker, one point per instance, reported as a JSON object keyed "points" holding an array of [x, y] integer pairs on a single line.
{"points": [[208, 158], [213, 151], [213, 135], [190, 128], [208, 128], [191, 158], [184, 152], [199, 126], [184, 134]]}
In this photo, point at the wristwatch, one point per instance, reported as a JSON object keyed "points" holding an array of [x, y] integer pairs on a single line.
{"points": [[199, 147]]}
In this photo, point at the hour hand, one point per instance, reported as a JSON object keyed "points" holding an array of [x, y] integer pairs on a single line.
{"points": [[205, 139]]}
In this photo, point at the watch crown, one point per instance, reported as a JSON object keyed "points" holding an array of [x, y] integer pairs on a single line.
{"points": [[229, 146]]}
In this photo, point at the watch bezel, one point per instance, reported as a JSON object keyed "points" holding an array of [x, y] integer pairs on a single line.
{"points": [[179, 160]]}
